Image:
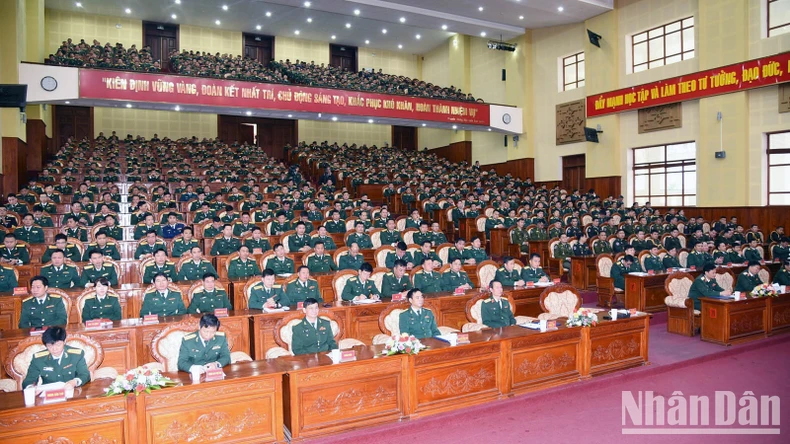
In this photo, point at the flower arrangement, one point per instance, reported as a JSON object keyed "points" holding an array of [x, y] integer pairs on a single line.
{"points": [[138, 380], [764, 290], [584, 317], [404, 344]]}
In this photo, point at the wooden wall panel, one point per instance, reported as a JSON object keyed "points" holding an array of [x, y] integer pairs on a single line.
{"points": [[36, 145], [521, 168], [273, 134], [14, 164], [604, 186], [767, 218], [455, 152]]}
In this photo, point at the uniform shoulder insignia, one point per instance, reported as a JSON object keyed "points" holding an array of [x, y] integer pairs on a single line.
{"points": [[257, 286], [169, 263], [141, 224], [277, 286], [190, 336], [52, 247], [388, 274], [92, 244], [356, 279], [20, 245], [419, 271], [150, 264], [41, 354], [501, 268], [56, 296], [71, 265], [112, 295], [74, 350], [8, 267], [220, 333], [27, 299], [89, 267]]}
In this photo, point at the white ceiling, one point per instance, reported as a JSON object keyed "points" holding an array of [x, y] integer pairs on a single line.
{"points": [[329, 17]]}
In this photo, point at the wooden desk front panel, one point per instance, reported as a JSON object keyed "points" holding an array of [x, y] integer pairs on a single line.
{"points": [[725, 322], [450, 311], [617, 345], [527, 300], [329, 399], [244, 410], [779, 313], [452, 377], [545, 360], [10, 308], [362, 321], [94, 420], [645, 293]]}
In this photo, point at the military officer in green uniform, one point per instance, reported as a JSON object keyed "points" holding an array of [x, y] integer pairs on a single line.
{"points": [[336, 225], [474, 254], [782, 277], [654, 262], [42, 309], [749, 278], [257, 243], [59, 274], [437, 236], [266, 293], [329, 243], [458, 250], [361, 287], [227, 244], [671, 260], [281, 225], [280, 263], [148, 246], [299, 241], [160, 265], [210, 297], [302, 288], [705, 285], [539, 233], [353, 260], [320, 262], [102, 245], [751, 253], [244, 225], [395, 281], [417, 320], [520, 236], [313, 334], [423, 235], [114, 231], [103, 304], [496, 310], [204, 349], [8, 279], [144, 227], [601, 245], [70, 250], [242, 266], [13, 253], [425, 254], [360, 237], [196, 268], [98, 269], [400, 253], [699, 257], [507, 273], [162, 301], [636, 266], [619, 270], [58, 363], [29, 232], [455, 277], [390, 236], [533, 272], [563, 252], [184, 243], [427, 279]]}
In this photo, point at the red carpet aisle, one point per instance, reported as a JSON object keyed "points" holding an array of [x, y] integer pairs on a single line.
{"points": [[590, 411]]}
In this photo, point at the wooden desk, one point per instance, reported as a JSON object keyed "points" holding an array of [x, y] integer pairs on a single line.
{"points": [[726, 322], [583, 272], [500, 243], [467, 228], [527, 300], [616, 345], [647, 293], [779, 314]]}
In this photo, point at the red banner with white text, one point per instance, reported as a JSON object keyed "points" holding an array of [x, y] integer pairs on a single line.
{"points": [[184, 90], [742, 76]]}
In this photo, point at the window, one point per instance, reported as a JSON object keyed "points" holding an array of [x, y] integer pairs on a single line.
{"points": [[779, 168], [663, 45], [573, 71], [666, 175], [778, 17]]}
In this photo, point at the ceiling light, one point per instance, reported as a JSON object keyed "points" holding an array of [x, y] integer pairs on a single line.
{"points": [[521, 17], [444, 27], [384, 31], [483, 34], [334, 119], [217, 22], [290, 115], [128, 105], [334, 37], [128, 11], [78, 4], [249, 113], [455, 126], [309, 20], [424, 124], [224, 7], [319, 115], [258, 27], [403, 19], [348, 25], [356, 12], [480, 9], [296, 32], [268, 14], [489, 129], [560, 9], [367, 42], [173, 16], [177, 108], [370, 120], [417, 36], [307, 4], [400, 46], [178, 2], [67, 102]]}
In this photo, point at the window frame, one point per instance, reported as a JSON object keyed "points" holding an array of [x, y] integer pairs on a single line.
{"points": [[683, 53], [682, 163], [768, 26], [575, 64], [768, 153]]}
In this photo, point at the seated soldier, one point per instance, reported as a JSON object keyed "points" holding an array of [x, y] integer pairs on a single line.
{"points": [[426, 279], [280, 263], [426, 253], [243, 266], [320, 262], [14, 253], [496, 310], [227, 244], [257, 243], [458, 251], [417, 321], [313, 334], [96, 269], [58, 363], [329, 243], [438, 237], [563, 252], [455, 277], [654, 262], [159, 265], [361, 287], [8, 280], [210, 298], [173, 227], [302, 288], [705, 285], [102, 305], [390, 236], [195, 268], [507, 273], [299, 241], [162, 301], [782, 277], [103, 245], [399, 254], [204, 349], [266, 293], [29, 232], [749, 278], [60, 274], [533, 272], [671, 259], [148, 246], [474, 254], [353, 260], [360, 237], [42, 309], [395, 281], [619, 270]]}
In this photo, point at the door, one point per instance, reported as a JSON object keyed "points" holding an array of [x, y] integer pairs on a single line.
{"points": [[71, 121], [573, 172], [343, 56], [259, 47], [404, 137], [163, 40], [247, 134]]}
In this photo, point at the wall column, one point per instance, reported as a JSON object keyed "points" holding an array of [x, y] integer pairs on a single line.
{"points": [[12, 50]]}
